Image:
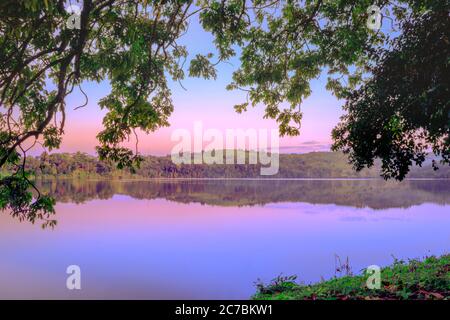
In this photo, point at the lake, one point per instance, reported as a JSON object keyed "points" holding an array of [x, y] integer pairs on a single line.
{"points": [[212, 239]]}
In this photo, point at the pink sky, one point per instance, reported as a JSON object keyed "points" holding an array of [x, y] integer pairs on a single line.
{"points": [[207, 101]]}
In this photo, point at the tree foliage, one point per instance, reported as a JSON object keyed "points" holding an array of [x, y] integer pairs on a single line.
{"points": [[133, 45], [403, 111]]}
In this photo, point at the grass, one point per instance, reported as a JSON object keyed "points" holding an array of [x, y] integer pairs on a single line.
{"points": [[414, 279]]}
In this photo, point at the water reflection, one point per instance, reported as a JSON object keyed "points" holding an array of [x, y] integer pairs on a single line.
{"points": [[376, 194]]}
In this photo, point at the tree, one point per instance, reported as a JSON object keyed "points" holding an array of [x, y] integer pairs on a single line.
{"points": [[131, 43], [403, 111], [283, 45]]}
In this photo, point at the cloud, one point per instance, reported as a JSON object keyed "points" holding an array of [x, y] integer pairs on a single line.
{"points": [[307, 146]]}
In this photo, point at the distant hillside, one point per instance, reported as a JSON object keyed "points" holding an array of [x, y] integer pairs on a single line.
{"points": [[310, 165]]}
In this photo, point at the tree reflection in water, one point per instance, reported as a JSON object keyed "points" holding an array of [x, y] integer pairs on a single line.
{"points": [[375, 194]]}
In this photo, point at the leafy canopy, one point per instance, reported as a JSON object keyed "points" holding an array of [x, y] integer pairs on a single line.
{"points": [[403, 111]]}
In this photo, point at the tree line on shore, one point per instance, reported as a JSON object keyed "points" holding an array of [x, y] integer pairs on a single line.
{"points": [[309, 165]]}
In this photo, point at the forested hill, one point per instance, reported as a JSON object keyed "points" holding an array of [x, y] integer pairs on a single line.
{"points": [[310, 165]]}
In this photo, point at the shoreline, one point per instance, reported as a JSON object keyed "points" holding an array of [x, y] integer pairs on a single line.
{"points": [[426, 279]]}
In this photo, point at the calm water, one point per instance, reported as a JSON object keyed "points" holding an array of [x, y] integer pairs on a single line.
{"points": [[213, 239]]}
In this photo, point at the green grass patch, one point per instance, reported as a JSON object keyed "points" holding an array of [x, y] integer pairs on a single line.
{"points": [[413, 279]]}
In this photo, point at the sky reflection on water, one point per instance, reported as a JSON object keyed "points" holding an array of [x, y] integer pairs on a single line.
{"points": [[172, 246]]}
